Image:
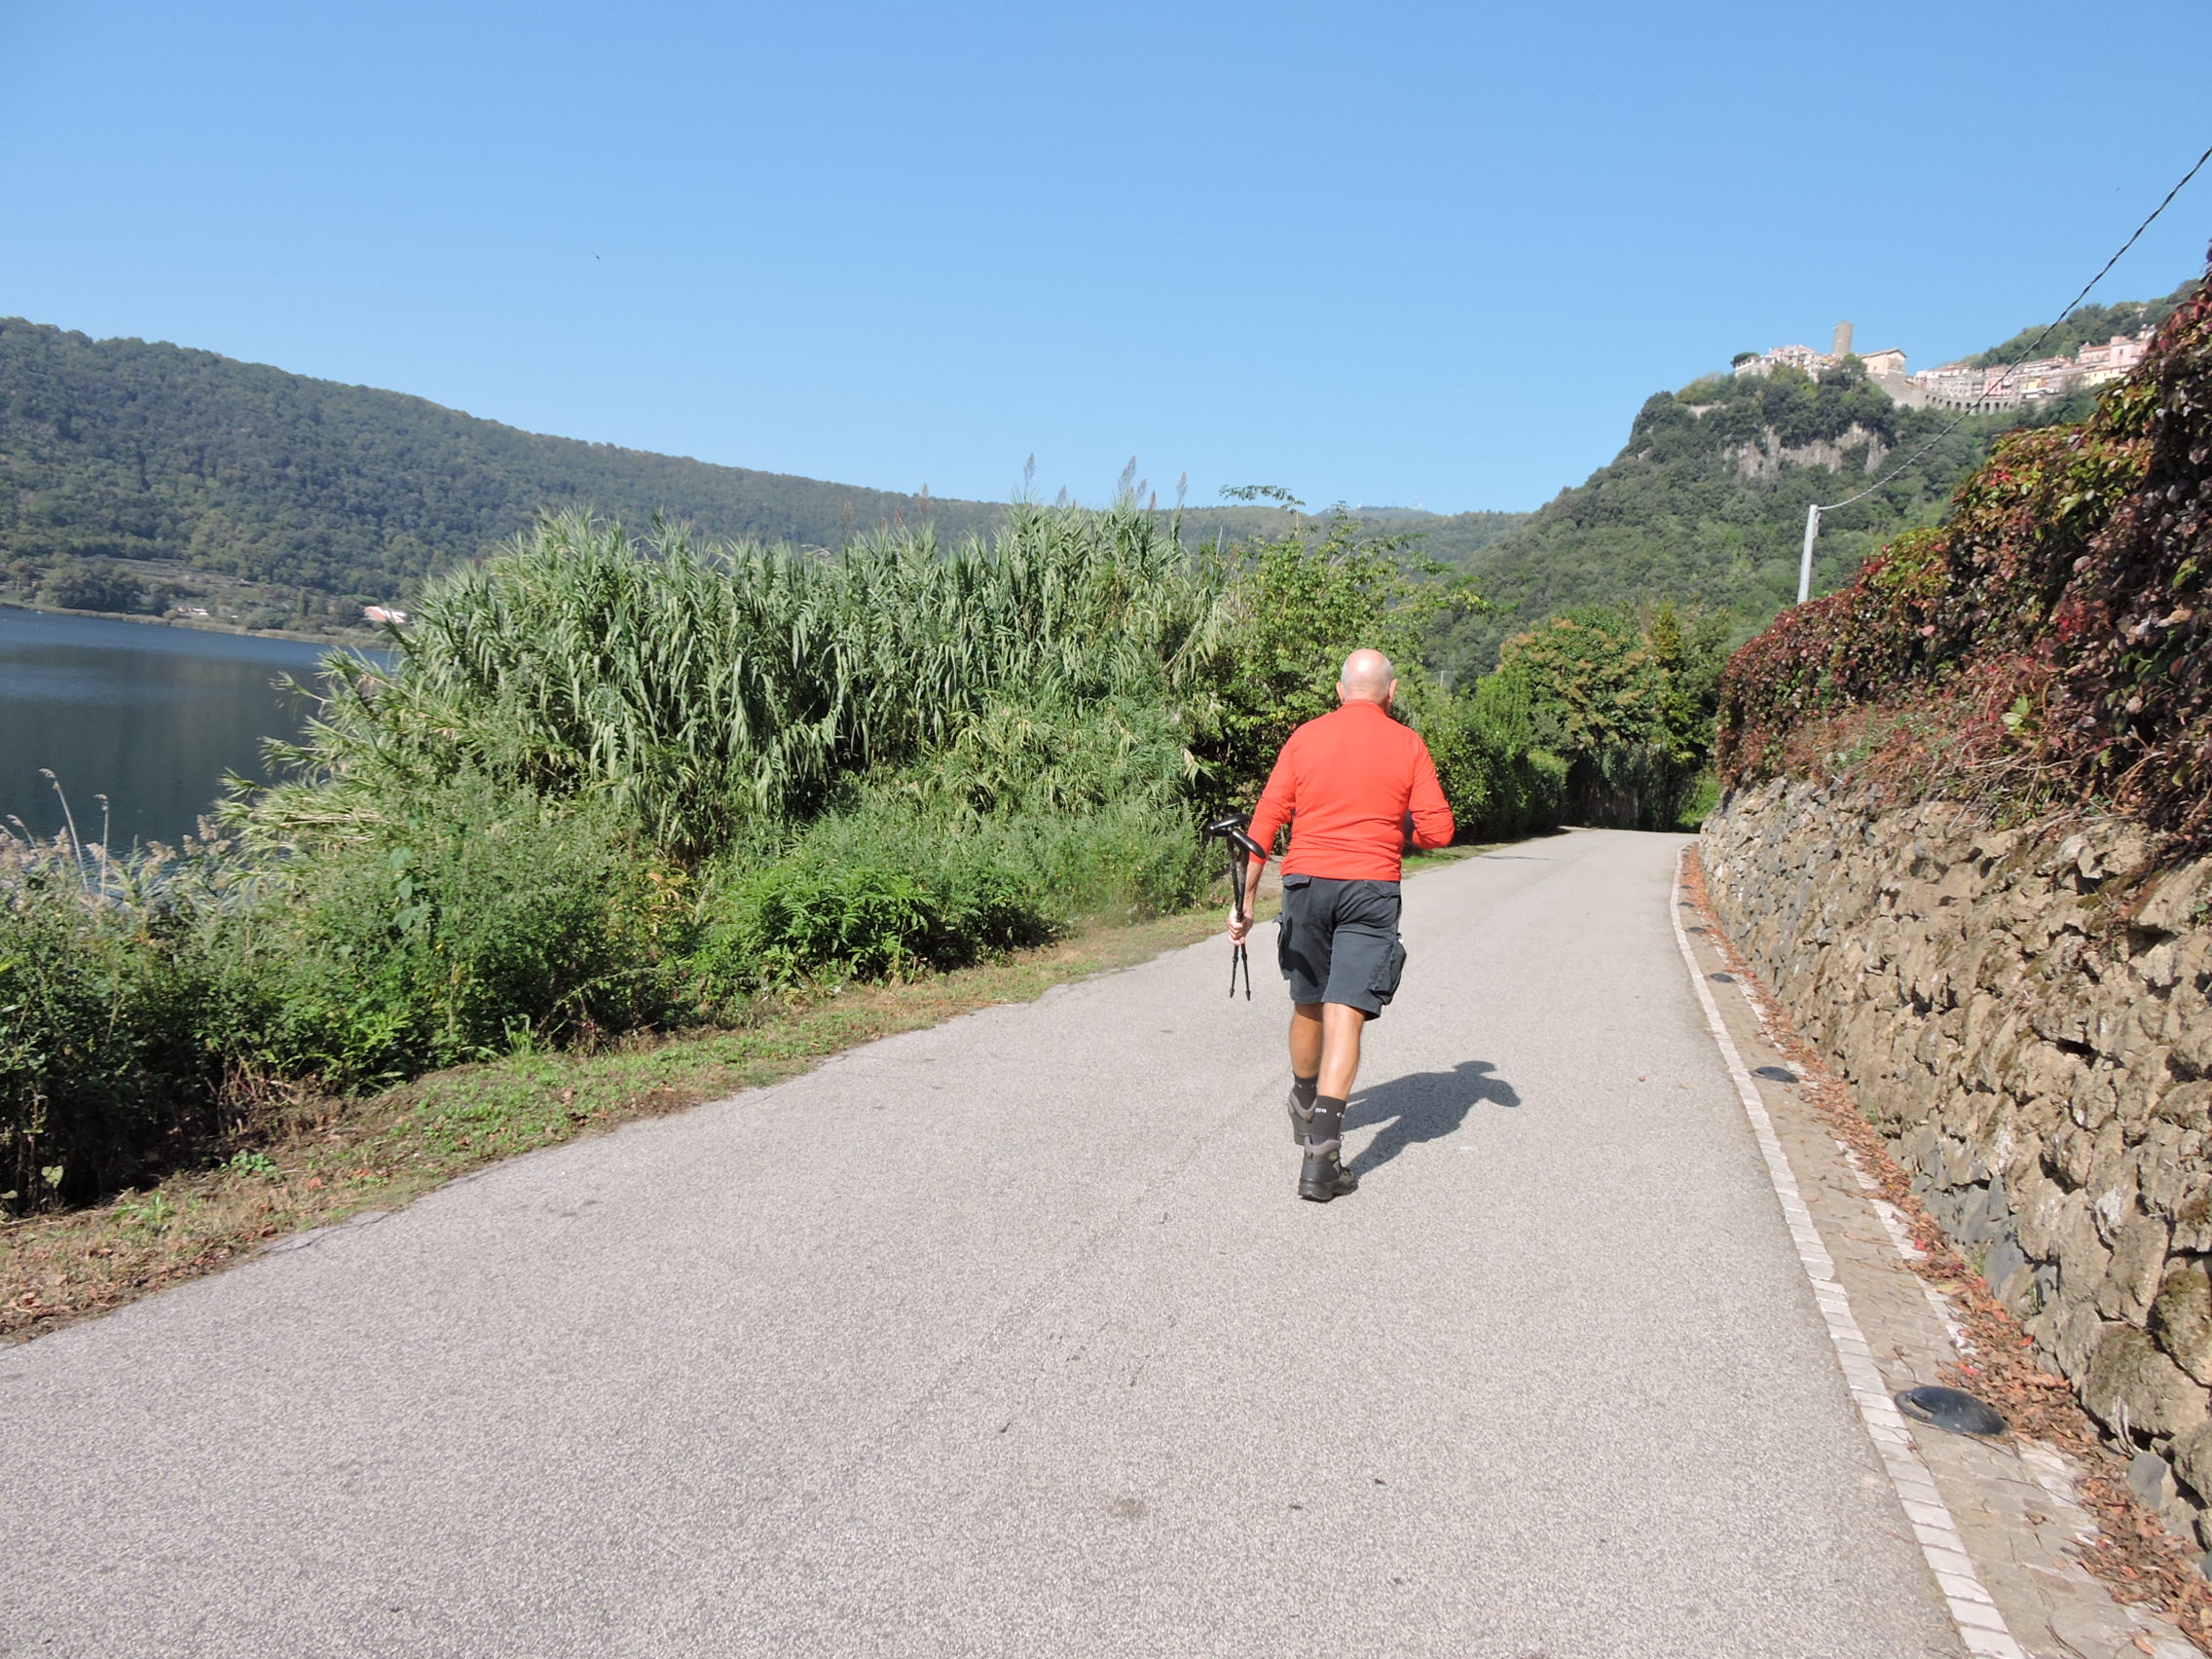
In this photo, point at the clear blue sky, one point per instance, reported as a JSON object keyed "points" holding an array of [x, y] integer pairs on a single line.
{"points": [[1373, 252]]}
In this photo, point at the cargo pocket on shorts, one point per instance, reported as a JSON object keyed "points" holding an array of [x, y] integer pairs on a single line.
{"points": [[1388, 971], [1291, 885]]}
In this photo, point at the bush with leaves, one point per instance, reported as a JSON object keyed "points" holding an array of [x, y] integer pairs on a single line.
{"points": [[1627, 698], [1501, 783], [860, 910], [473, 921], [105, 994], [96, 584]]}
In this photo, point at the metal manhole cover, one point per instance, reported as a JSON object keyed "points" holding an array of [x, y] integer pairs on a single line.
{"points": [[1949, 1407]]}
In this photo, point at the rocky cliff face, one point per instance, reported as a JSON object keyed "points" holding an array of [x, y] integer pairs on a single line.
{"points": [[1856, 446], [2028, 1017]]}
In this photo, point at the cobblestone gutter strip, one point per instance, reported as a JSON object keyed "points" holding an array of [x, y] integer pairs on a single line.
{"points": [[2130, 1551], [1981, 1627]]}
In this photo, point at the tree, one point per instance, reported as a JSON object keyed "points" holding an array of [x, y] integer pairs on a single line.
{"points": [[92, 585], [1306, 601], [1627, 698]]}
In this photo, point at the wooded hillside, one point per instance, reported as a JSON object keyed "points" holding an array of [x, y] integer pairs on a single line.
{"points": [[1705, 506], [127, 462], [121, 449]]}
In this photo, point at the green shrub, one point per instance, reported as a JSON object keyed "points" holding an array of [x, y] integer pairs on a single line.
{"points": [[476, 921], [895, 885], [102, 997], [813, 915], [95, 584], [1500, 783], [1625, 697]]}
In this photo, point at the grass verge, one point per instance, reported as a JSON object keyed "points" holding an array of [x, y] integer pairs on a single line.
{"points": [[341, 1156]]}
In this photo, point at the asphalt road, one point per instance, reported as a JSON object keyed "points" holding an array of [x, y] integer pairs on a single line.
{"points": [[1010, 1338]]}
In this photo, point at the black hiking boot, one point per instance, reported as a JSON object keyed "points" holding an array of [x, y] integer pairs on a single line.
{"points": [[1300, 1112], [1323, 1176]]}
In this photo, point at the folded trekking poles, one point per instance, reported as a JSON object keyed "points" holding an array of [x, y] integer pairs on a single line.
{"points": [[1241, 850]]}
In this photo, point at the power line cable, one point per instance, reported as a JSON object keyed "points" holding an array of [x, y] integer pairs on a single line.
{"points": [[1814, 514]]}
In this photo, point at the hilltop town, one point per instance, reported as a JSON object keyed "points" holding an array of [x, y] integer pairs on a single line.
{"points": [[1962, 385]]}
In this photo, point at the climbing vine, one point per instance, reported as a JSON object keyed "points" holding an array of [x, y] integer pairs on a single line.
{"points": [[2048, 644]]}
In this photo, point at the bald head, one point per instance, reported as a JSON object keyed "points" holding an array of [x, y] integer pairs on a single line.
{"points": [[1368, 678]]}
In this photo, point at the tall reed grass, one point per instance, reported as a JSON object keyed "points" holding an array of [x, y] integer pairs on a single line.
{"points": [[730, 692]]}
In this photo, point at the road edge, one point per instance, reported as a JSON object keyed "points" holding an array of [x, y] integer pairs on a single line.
{"points": [[1972, 1609]]}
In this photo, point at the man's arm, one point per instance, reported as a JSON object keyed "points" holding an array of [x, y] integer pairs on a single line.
{"points": [[1280, 799], [1430, 812], [1276, 803]]}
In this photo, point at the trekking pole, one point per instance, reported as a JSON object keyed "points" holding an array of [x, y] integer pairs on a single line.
{"points": [[1241, 850]]}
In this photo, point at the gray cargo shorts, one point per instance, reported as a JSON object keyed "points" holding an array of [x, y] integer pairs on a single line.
{"points": [[1338, 941]]}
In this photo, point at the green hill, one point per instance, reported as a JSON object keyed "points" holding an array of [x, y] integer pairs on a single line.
{"points": [[136, 473], [164, 457], [141, 473], [1706, 504], [2090, 325]]}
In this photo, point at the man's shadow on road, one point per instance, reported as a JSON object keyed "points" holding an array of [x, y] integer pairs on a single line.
{"points": [[1424, 1106]]}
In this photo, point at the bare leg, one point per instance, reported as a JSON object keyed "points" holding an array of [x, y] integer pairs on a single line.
{"points": [[1305, 1039], [1341, 1026]]}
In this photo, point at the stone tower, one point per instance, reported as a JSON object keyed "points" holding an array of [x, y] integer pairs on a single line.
{"points": [[1841, 349]]}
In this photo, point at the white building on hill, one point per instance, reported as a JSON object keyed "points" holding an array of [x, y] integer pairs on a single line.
{"points": [[1956, 386], [1888, 361]]}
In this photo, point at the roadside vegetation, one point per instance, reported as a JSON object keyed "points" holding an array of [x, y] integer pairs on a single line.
{"points": [[612, 787], [610, 790]]}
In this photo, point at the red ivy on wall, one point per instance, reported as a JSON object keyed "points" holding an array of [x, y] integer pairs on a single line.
{"points": [[2054, 634]]}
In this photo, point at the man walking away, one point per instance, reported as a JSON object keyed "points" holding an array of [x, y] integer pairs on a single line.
{"points": [[1355, 787]]}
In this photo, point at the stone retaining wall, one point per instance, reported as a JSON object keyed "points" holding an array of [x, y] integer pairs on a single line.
{"points": [[2029, 1020]]}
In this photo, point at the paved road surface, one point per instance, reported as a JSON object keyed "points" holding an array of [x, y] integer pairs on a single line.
{"points": [[1009, 1337]]}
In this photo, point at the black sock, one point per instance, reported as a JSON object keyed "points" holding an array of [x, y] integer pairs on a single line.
{"points": [[1328, 1119], [1302, 1091]]}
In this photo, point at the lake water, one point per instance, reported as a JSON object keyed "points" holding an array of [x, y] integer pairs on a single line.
{"points": [[151, 716]]}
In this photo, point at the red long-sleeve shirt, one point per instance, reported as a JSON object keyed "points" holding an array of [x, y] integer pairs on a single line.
{"points": [[1344, 784]]}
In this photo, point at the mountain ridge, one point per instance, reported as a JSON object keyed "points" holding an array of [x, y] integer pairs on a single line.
{"points": [[124, 449]]}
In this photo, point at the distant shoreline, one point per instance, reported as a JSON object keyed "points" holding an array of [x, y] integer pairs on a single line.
{"points": [[202, 625]]}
